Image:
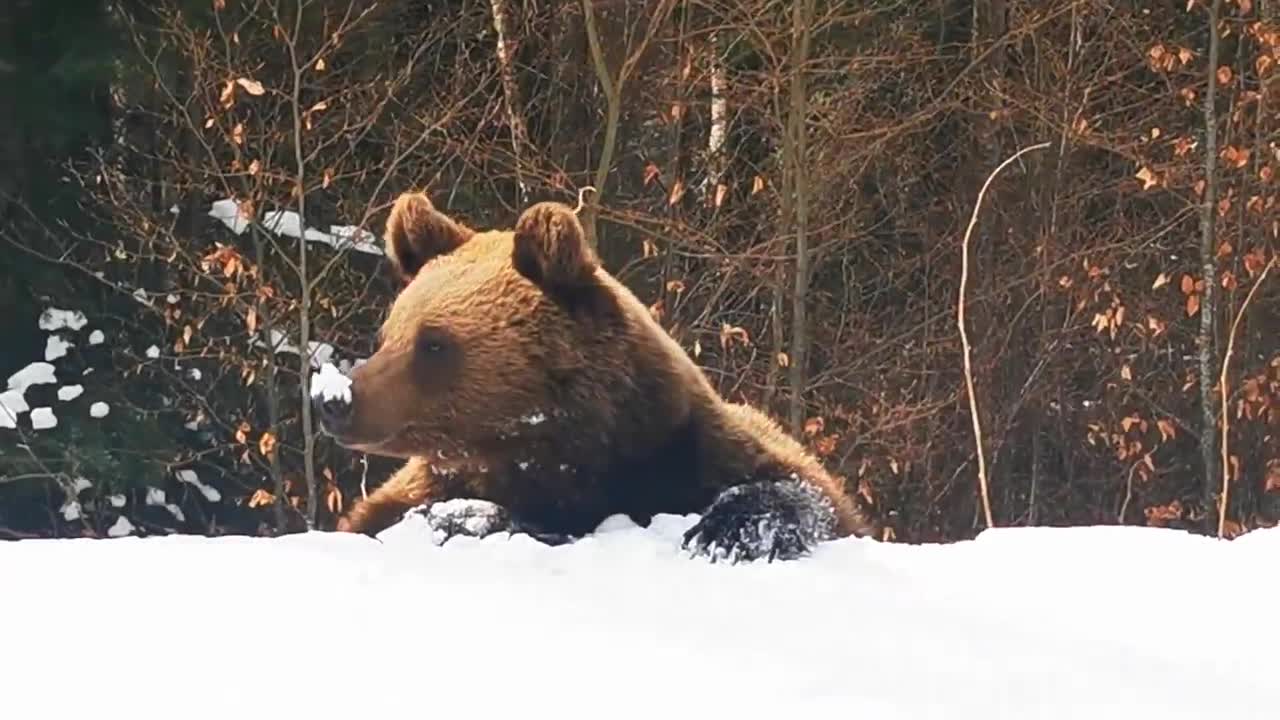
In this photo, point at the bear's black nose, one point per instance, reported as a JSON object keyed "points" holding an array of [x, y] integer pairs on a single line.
{"points": [[334, 412]]}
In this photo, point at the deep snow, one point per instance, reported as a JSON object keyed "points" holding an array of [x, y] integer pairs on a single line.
{"points": [[1027, 623]]}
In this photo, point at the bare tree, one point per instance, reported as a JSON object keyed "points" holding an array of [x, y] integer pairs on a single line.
{"points": [[796, 149], [1206, 339], [613, 84], [504, 49]]}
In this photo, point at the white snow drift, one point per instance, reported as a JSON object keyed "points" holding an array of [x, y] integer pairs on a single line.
{"points": [[1090, 623]]}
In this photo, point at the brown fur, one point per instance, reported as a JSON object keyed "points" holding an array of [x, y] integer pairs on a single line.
{"points": [[514, 369]]}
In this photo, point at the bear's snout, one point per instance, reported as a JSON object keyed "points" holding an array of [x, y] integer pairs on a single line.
{"points": [[335, 415]]}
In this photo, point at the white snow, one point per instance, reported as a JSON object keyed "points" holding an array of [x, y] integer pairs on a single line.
{"points": [[97, 337], [1105, 623], [55, 346], [57, 319], [12, 404], [120, 527], [288, 224], [79, 484], [153, 352], [155, 496], [330, 384], [99, 410], [67, 393], [37, 373], [42, 418], [189, 477], [536, 418], [228, 211], [319, 352], [70, 510], [117, 500]]}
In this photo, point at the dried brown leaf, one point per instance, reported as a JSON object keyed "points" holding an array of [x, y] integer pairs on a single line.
{"points": [[261, 498], [1148, 178], [251, 86], [677, 192]]}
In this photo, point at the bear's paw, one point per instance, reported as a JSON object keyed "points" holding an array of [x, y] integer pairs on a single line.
{"points": [[763, 520], [465, 517]]}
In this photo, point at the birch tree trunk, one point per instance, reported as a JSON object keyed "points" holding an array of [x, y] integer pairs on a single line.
{"points": [[511, 93]]}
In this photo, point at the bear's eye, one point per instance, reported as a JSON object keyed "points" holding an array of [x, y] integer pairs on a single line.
{"points": [[432, 342]]}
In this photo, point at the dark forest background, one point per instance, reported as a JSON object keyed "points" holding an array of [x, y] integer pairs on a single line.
{"points": [[787, 184]]}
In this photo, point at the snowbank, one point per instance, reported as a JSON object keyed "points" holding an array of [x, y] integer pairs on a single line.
{"points": [[1081, 623]]}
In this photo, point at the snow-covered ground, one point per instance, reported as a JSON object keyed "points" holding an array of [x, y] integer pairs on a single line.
{"points": [[1082, 623]]}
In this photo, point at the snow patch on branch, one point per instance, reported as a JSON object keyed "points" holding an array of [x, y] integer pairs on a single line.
{"points": [[287, 223]]}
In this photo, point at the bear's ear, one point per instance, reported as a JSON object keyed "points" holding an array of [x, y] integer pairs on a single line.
{"points": [[417, 232], [551, 248]]}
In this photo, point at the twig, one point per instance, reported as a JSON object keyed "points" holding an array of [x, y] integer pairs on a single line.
{"points": [[1223, 389], [582, 194], [964, 335], [1128, 493]]}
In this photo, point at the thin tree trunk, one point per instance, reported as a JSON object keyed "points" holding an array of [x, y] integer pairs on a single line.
{"points": [[802, 14], [304, 283], [1209, 274], [511, 92], [719, 131], [273, 384], [612, 87]]}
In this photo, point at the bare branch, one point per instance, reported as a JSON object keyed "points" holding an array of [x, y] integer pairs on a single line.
{"points": [[964, 334]]}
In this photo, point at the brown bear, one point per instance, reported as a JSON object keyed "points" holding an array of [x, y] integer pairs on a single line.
{"points": [[515, 371]]}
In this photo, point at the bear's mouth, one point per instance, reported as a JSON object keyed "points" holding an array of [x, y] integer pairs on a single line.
{"points": [[402, 444]]}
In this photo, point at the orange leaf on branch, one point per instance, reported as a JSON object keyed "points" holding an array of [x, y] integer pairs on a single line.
{"points": [[814, 425], [251, 86], [677, 192], [1148, 178], [227, 97], [729, 333], [260, 498]]}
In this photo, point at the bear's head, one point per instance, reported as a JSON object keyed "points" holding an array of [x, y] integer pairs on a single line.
{"points": [[490, 338]]}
